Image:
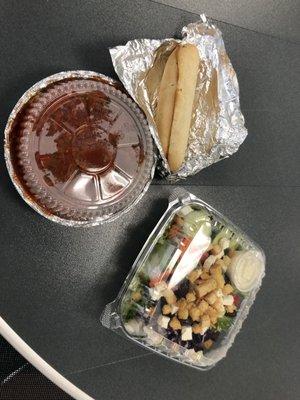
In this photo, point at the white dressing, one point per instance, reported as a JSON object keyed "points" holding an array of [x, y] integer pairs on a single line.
{"points": [[245, 270]]}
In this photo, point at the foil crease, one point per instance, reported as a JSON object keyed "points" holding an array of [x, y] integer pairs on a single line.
{"points": [[217, 126]]}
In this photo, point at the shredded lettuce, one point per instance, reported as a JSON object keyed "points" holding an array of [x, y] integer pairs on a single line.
{"points": [[129, 311], [144, 278], [224, 323]]}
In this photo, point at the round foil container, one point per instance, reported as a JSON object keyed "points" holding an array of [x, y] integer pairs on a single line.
{"points": [[78, 149]]}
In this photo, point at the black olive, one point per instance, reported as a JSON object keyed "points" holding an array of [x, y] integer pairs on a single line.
{"points": [[173, 335], [183, 289], [187, 344], [163, 302], [198, 347], [233, 314], [211, 334]]}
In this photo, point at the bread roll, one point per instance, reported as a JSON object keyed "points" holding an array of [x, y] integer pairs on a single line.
{"points": [[188, 65], [166, 100]]}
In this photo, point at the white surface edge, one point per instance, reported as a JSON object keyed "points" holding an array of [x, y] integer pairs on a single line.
{"points": [[39, 363]]}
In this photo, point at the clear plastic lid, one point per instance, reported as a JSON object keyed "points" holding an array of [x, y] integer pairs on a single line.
{"points": [[191, 286], [85, 150]]}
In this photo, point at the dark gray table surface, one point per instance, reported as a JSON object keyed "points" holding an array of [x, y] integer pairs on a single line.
{"points": [[55, 281]]}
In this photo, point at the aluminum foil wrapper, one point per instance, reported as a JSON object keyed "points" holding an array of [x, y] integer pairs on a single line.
{"points": [[11, 164], [217, 126]]}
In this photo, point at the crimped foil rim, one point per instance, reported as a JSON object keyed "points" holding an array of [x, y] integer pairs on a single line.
{"points": [[25, 98]]}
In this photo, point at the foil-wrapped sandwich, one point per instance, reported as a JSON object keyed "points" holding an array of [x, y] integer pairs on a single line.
{"points": [[189, 92]]}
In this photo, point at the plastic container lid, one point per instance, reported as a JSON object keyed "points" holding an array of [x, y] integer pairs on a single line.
{"points": [[85, 150], [191, 287]]}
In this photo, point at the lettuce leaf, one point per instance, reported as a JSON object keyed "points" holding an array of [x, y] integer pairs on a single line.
{"points": [[224, 323]]}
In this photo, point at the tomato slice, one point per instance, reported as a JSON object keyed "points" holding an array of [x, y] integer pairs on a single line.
{"points": [[204, 256], [161, 277], [236, 299]]}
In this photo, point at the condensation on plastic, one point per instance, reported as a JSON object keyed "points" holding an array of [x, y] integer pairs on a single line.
{"points": [[111, 317], [87, 112], [217, 127]]}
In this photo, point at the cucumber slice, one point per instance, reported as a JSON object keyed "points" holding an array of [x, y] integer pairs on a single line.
{"points": [[224, 233], [228, 234], [194, 220], [196, 217], [184, 211], [234, 243], [206, 228]]}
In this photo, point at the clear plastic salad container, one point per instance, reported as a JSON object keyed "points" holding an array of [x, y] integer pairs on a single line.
{"points": [[191, 286]]}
